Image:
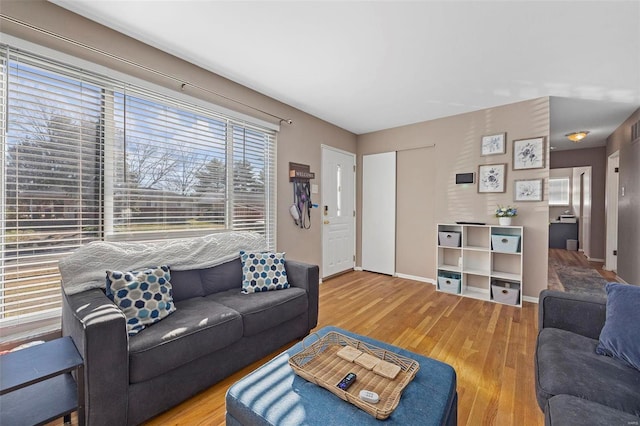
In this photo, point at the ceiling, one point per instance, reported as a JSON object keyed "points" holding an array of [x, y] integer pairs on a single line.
{"points": [[367, 66]]}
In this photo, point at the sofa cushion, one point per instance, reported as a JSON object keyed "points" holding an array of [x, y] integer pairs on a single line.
{"points": [[186, 284], [565, 410], [620, 336], [263, 272], [144, 296], [222, 277], [566, 363], [261, 311], [198, 327]]}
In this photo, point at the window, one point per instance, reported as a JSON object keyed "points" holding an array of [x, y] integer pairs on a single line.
{"points": [[88, 158], [559, 191]]}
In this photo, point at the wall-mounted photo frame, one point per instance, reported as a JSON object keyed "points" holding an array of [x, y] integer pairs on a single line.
{"points": [[528, 153], [527, 190], [494, 144], [492, 178]]}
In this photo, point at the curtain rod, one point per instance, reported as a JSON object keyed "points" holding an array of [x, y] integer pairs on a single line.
{"points": [[417, 147], [182, 82]]}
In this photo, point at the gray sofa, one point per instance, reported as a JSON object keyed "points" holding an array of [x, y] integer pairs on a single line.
{"points": [[574, 385], [215, 331]]}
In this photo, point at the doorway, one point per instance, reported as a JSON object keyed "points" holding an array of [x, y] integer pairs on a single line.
{"points": [[338, 211], [582, 196]]}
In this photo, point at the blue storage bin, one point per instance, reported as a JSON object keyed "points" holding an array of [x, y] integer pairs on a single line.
{"points": [[449, 282], [505, 243]]}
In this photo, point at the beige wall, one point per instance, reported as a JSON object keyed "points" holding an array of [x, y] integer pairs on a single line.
{"points": [[597, 159], [299, 142], [629, 204], [427, 193]]}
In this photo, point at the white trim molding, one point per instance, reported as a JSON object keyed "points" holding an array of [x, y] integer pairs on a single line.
{"points": [[416, 278]]}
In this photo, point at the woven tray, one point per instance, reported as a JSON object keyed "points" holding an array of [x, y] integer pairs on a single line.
{"points": [[318, 363]]}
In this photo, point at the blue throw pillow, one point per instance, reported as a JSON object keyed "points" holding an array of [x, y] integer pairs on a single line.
{"points": [[145, 296], [263, 272], [620, 336]]}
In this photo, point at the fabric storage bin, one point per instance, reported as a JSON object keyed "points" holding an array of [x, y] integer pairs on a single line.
{"points": [[449, 238], [505, 292], [505, 243], [449, 282]]}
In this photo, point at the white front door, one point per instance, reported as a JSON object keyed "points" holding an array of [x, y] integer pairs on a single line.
{"points": [[338, 211]]}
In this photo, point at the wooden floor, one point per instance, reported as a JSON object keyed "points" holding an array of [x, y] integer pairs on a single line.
{"points": [[558, 257], [491, 346]]}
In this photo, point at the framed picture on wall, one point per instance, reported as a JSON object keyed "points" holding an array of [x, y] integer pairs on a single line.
{"points": [[492, 178], [527, 190], [528, 153], [493, 144]]}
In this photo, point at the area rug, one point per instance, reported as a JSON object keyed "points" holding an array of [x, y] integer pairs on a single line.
{"points": [[581, 280]]}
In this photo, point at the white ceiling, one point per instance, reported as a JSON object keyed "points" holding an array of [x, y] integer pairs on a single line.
{"points": [[371, 65]]}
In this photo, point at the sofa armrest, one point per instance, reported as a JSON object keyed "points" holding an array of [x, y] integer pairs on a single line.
{"points": [[581, 314], [306, 276], [98, 329]]}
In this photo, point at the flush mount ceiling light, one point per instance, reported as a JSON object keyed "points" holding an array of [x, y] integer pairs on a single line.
{"points": [[577, 136]]}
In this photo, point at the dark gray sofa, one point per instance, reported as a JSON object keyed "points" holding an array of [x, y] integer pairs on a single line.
{"points": [[215, 331], [574, 385]]}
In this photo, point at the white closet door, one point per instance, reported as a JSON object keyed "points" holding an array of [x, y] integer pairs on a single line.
{"points": [[379, 213]]}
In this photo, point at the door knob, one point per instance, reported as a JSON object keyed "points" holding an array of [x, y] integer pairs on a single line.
{"points": [[326, 222]]}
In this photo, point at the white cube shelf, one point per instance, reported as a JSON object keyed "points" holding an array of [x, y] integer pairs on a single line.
{"points": [[488, 255]]}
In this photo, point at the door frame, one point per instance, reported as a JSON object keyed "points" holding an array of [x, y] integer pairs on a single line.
{"points": [[611, 212], [323, 149]]}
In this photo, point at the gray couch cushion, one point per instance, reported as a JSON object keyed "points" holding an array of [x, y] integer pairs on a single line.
{"points": [[261, 311], [566, 363], [186, 284], [197, 327], [565, 410], [222, 277]]}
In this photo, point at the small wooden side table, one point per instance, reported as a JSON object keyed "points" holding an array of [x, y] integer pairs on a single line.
{"points": [[36, 385]]}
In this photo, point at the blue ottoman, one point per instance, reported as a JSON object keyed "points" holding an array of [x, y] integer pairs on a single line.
{"points": [[274, 395]]}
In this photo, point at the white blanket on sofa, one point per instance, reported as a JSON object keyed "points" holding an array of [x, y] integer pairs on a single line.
{"points": [[85, 268]]}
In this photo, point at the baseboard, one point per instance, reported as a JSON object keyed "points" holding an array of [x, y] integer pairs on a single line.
{"points": [[593, 259], [357, 268], [416, 278], [531, 299]]}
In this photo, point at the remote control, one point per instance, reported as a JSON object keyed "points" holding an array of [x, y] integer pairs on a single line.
{"points": [[368, 396], [347, 381]]}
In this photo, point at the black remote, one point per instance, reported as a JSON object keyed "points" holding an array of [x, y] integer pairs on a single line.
{"points": [[347, 381]]}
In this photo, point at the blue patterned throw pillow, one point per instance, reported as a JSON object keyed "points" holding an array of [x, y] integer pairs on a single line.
{"points": [[145, 296], [620, 336], [263, 272]]}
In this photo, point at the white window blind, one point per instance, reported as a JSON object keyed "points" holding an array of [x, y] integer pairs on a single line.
{"points": [[88, 158], [51, 182], [171, 167], [253, 177], [559, 191]]}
